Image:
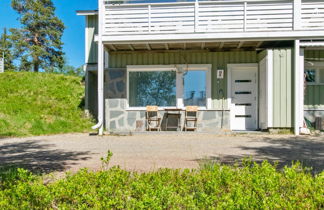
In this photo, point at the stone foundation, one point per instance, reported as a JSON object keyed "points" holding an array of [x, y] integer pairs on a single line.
{"points": [[118, 119]]}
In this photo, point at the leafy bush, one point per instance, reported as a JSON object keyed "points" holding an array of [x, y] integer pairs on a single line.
{"points": [[40, 103], [253, 186]]}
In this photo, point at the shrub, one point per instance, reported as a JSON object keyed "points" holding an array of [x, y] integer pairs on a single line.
{"points": [[253, 186]]}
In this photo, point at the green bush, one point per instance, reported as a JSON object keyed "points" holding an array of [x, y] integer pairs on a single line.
{"points": [[40, 103], [253, 186]]}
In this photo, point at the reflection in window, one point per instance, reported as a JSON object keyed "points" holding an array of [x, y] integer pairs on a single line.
{"points": [[152, 88], [321, 76], [310, 75], [194, 88]]}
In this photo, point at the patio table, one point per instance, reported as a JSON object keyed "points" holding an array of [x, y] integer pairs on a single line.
{"points": [[176, 113]]}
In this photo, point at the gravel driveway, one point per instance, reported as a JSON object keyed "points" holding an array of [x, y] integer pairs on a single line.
{"points": [[152, 151]]}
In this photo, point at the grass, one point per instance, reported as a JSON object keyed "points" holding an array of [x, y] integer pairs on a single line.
{"points": [[40, 104], [253, 186]]}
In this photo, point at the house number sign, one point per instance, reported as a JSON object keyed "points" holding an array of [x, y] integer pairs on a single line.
{"points": [[220, 74]]}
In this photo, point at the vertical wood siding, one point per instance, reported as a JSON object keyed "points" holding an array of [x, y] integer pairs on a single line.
{"points": [[262, 55], [316, 55], [219, 60], [91, 46], [314, 96], [282, 88]]}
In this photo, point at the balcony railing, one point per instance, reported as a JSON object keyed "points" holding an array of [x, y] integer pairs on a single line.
{"points": [[213, 17]]}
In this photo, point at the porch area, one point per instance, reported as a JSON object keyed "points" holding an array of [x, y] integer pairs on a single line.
{"points": [[228, 85]]}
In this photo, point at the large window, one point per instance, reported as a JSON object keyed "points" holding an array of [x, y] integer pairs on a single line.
{"points": [[169, 86], [152, 88]]}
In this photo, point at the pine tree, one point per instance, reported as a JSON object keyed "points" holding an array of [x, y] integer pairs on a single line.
{"points": [[38, 43], [6, 50]]}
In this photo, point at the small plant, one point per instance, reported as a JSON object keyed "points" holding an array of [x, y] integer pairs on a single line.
{"points": [[105, 160]]}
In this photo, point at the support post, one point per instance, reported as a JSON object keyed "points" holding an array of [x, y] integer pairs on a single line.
{"points": [[270, 88], [100, 86], [297, 85], [100, 124], [302, 87]]}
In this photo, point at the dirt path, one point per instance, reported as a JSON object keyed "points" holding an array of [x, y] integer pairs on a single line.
{"points": [[150, 152]]}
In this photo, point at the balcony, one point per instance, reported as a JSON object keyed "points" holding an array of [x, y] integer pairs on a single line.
{"points": [[212, 20]]}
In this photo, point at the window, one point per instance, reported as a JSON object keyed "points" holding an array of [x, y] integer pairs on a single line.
{"points": [[194, 83], [314, 75], [169, 85], [152, 88]]}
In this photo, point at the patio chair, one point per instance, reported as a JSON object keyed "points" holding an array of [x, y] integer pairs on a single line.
{"points": [[153, 121], [191, 118]]}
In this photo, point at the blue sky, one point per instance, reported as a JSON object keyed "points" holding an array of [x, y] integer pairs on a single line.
{"points": [[73, 37]]}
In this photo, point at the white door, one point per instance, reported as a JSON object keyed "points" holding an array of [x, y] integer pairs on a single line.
{"points": [[244, 98]]}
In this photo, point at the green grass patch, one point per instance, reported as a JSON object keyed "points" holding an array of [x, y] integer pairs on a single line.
{"points": [[41, 103], [252, 186]]}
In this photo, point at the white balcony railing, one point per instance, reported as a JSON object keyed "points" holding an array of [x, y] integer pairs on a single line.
{"points": [[213, 17]]}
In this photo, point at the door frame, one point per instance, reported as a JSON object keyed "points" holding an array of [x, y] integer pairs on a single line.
{"points": [[242, 66]]}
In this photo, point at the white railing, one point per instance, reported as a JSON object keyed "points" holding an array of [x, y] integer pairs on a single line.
{"points": [[312, 14], [213, 17]]}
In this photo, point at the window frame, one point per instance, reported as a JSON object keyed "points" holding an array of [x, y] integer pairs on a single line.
{"points": [[179, 82], [317, 66]]}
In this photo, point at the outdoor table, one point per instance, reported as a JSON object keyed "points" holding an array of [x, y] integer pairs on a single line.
{"points": [[176, 113]]}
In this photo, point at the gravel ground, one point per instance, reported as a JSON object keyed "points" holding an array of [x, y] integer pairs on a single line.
{"points": [[145, 152]]}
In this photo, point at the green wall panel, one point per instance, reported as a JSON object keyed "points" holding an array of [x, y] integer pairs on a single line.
{"points": [[219, 60], [314, 55], [91, 46], [282, 88], [314, 96], [262, 55]]}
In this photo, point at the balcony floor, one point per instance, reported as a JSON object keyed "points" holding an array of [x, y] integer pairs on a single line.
{"points": [[209, 46]]}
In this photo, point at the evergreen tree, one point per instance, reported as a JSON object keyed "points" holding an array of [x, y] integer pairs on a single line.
{"points": [[71, 70], [6, 50], [38, 43]]}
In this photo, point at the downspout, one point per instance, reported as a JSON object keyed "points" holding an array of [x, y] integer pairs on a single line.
{"points": [[100, 123]]}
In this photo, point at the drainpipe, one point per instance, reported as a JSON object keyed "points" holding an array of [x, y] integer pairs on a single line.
{"points": [[100, 75]]}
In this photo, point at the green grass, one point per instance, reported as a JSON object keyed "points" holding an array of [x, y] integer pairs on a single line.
{"points": [[253, 186], [40, 104]]}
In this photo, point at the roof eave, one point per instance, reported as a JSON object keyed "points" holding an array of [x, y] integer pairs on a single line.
{"points": [[86, 12]]}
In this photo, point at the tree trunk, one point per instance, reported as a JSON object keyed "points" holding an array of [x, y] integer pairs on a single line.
{"points": [[36, 64], [36, 67]]}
